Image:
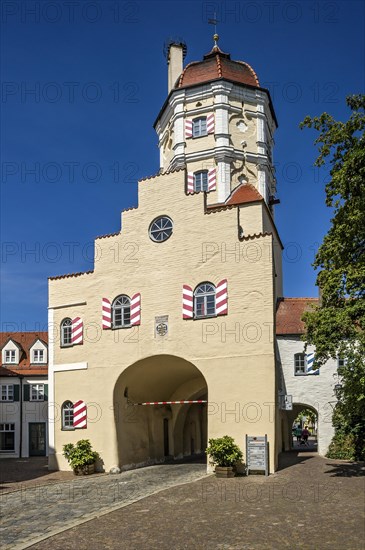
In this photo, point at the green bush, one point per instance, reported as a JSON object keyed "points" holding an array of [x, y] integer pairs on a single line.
{"points": [[342, 447], [80, 455], [224, 451]]}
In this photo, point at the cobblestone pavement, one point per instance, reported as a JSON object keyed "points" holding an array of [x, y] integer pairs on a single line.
{"points": [[32, 512], [311, 503]]}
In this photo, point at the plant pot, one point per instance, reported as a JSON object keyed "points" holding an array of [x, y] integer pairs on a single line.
{"points": [[224, 471], [85, 470]]}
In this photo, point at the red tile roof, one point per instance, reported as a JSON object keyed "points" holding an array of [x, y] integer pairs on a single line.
{"points": [[215, 65], [71, 274], [289, 314], [25, 340], [244, 193]]}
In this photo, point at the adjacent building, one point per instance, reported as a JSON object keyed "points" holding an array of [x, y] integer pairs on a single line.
{"points": [[24, 394]]}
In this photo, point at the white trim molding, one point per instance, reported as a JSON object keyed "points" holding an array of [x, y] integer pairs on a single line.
{"points": [[69, 366]]}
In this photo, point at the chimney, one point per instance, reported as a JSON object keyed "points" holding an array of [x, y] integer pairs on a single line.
{"points": [[176, 52]]}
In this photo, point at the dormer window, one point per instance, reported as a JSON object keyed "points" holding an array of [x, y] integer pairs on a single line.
{"points": [[10, 356], [38, 356], [200, 127]]}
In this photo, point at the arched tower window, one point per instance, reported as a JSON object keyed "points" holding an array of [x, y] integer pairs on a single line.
{"points": [[121, 312], [204, 300], [67, 415], [66, 332], [201, 181]]}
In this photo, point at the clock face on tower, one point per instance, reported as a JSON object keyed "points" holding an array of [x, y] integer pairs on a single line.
{"points": [[161, 229]]}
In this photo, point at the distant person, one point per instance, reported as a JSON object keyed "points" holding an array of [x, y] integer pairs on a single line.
{"points": [[305, 434], [298, 433]]}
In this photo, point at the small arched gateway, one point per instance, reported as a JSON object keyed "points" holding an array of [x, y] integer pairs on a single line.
{"points": [[150, 426]]}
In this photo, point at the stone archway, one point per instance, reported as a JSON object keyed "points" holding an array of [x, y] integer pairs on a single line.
{"points": [[289, 419], [154, 433]]}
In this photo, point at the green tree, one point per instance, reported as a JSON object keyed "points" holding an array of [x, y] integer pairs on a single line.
{"points": [[336, 326]]}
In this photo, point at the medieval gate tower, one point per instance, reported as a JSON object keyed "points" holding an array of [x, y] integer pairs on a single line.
{"points": [[181, 303]]}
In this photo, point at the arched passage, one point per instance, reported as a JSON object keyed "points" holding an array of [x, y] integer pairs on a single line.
{"points": [[290, 438], [153, 433]]}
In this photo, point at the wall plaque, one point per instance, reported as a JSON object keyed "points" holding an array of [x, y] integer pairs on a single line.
{"points": [[161, 326]]}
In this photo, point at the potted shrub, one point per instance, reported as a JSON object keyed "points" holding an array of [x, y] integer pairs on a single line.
{"points": [[225, 454], [81, 457]]}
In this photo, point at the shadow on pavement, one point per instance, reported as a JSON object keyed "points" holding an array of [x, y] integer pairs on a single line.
{"points": [[292, 458], [346, 469], [15, 472]]}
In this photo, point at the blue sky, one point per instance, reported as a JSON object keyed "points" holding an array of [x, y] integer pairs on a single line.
{"points": [[82, 83]]}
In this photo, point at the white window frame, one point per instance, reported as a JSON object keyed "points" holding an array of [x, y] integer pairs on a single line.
{"points": [[66, 423], [10, 356], [200, 128], [38, 355], [36, 392], [65, 326], [201, 181], [7, 427], [122, 308], [205, 294], [300, 356], [8, 394]]}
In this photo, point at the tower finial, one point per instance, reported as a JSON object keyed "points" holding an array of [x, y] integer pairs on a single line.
{"points": [[214, 22]]}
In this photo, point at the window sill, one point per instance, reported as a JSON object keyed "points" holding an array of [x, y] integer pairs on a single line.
{"points": [[67, 429], [121, 327]]}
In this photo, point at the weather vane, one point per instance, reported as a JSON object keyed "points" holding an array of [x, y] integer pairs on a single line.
{"points": [[214, 22]]}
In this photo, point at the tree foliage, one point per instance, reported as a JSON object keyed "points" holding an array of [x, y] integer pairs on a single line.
{"points": [[337, 326]]}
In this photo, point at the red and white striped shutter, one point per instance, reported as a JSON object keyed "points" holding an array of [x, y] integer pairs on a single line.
{"points": [[77, 331], [79, 415], [210, 124], [221, 298], [190, 185], [107, 313], [212, 179], [187, 302], [188, 128], [136, 310]]}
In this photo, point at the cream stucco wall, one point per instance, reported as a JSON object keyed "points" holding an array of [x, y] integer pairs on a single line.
{"points": [[233, 353]]}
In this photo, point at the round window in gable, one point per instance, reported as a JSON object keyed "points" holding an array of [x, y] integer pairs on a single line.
{"points": [[161, 229]]}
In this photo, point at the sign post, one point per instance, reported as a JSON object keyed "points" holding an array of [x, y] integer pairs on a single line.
{"points": [[257, 456]]}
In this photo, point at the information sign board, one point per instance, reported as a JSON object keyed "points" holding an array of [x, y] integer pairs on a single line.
{"points": [[257, 453]]}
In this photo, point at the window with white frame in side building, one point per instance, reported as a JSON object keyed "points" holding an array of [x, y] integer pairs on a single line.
{"points": [[35, 392], [10, 356], [38, 356], [7, 437], [9, 392], [299, 364]]}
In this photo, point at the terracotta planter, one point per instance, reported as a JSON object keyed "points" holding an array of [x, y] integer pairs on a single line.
{"points": [[85, 470], [224, 471]]}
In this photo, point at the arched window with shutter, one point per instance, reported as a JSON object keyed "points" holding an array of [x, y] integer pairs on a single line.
{"points": [[121, 312]]}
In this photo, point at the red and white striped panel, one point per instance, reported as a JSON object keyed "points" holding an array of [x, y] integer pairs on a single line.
{"points": [[210, 123], [190, 182], [136, 309], [107, 313], [77, 330], [212, 179], [188, 129], [186, 402], [188, 302], [221, 298], [79, 414]]}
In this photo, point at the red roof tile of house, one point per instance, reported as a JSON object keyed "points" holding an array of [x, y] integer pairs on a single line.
{"points": [[289, 314], [25, 341], [217, 64]]}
